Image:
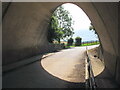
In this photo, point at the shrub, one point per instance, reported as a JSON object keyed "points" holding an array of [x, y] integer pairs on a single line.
{"points": [[70, 42], [78, 41]]}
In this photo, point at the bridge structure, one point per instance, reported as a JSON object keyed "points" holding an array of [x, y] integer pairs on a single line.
{"points": [[25, 29]]}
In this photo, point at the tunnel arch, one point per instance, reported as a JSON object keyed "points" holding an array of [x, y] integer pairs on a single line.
{"points": [[97, 15], [104, 17], [95, 18], [78, 7], [45, 63]]}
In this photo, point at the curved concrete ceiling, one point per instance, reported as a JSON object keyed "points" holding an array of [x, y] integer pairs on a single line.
{"points": [[25, 24]]}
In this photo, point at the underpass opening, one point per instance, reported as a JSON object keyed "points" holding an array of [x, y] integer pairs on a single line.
{"points": [[58, 27], [23, 26]]}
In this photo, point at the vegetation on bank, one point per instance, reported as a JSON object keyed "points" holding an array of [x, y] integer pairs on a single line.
{"points": [[83, 44], [60, 26], [60, 29]]}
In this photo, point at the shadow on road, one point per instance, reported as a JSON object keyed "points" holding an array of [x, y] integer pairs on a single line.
{"points": [[34, 76]]}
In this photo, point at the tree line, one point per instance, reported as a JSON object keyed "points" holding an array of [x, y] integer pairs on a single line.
{"points": [[60, 27]]}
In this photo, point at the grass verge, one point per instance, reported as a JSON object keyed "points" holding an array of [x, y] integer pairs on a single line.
{"points": [[85, 44]]}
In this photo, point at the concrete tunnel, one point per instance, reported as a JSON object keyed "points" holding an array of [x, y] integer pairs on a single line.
{"points": [[25, 28]]}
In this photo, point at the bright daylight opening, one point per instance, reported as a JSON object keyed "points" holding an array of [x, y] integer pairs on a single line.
{"points": [[71, 27], [81, 23]]}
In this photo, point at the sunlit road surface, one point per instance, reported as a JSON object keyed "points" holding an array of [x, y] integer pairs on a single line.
{"points": [[68, 65], [64, 69]]}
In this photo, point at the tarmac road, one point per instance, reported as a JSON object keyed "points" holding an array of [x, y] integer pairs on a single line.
{"points": [[68, 65], [64, 69]]}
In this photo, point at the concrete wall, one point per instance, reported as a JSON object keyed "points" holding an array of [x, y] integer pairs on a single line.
{"points": [[104, 16], [109, 16], [24, 30], [118, 58]]}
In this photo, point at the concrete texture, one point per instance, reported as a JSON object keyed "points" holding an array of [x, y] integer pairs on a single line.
{"points": [[118, 58], [101, 74], [28, 38], [21, 63], [97, 65], [25, 30]]}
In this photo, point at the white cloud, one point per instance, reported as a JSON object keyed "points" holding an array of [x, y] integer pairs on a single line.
{"points": [[82, 21]]}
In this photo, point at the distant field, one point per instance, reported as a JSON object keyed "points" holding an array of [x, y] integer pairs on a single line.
{"points": [[85, 44], [88, 44]]}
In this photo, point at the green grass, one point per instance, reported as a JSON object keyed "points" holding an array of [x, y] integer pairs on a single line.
{"points": [[87, 44]]}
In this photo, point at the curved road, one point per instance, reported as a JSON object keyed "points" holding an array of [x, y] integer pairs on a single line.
{"points": [[64, 69], [67, 64]]}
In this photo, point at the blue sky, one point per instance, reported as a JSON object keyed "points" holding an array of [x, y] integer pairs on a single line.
{"points": [[81, 24]]}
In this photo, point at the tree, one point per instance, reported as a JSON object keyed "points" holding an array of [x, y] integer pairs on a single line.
{"points": [[91, 27], [78, 41], [61, 24]]}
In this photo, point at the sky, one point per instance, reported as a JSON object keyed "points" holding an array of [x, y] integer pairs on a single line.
{"points": [[81, 24]]}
